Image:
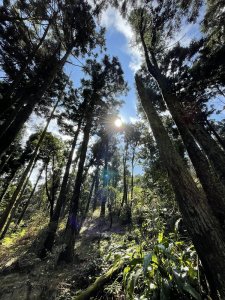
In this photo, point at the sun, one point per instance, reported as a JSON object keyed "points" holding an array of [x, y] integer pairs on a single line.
{"points": [[118, 123]]}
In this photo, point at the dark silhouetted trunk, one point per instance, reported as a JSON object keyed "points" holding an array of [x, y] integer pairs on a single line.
{"points": [[15, 195], [48, 192], [202, 225], [53, 225], [105, 178], [6, 184], [30, 197], [215, 133], [72, 227], [125, 192], [132, 175], [94, 206], [89, 198], [17, 203], [211, 184], [215, 154]]}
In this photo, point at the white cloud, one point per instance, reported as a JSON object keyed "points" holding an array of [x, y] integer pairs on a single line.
{"points": [[112, 19], [134, 120], [185, 35]]}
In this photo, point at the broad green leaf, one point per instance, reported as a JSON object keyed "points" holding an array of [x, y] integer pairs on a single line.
{"points": [[146, 261], [192, 291]]}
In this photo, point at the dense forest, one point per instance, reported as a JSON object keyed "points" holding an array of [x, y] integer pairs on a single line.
{"points": [[93, 206]]}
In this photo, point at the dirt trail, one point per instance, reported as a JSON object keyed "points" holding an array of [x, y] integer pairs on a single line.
{"points": [[26, 277]]}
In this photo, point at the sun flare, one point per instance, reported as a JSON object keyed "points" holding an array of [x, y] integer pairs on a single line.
{"points": [[118, 123]]}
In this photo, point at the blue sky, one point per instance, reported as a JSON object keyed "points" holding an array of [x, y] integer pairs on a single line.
{"points": [[120, 43], [118, 38]]}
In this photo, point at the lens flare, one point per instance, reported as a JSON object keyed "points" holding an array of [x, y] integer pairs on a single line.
{"points": [[118, 123]]}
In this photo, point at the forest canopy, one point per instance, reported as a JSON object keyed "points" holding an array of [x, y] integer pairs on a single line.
{"points": [[112, 155]]}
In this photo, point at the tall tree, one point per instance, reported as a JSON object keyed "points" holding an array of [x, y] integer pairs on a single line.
{"points": [[192, 202], [106, 81], [72, 36]]}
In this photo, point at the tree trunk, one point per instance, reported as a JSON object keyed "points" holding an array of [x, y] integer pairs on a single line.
{"points": [[89, 199], [105, 178], [205, 231], [99, 283], [215, 154], [212, 186], [30, 198], [215, 133], [25, 173], [96, 189], [47, 191], [53, 225], [132, 175], [17, 203], [6, 184], [72, 226], [125, 199]]}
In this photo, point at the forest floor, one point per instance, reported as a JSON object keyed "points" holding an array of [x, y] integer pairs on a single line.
{"points": [[24, 276]]}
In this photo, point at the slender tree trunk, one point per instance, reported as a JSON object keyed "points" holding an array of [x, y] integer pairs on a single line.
{"points": [[25, 173], [17, 203], [96, 189], [53, 187], [30, 197], [53, 225], [132, 175], [6, 184], [89, 199], [215, 133], [203, 227], [105, 179], [47, 191], [72, 226], [125, 199]]}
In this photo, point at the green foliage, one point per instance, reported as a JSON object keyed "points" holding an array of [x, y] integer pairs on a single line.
{"points": [[169, 271]]}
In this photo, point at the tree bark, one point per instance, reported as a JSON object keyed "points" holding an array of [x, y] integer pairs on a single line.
{"points": [[25, 173], [215, 154], [212, 185], [105, 178], [6, 184], [89, 199], [215, 133], [132, 175], [30, 198], [53, 224], [17, 203], [96, 189], [203, 227], [72, 226]]}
